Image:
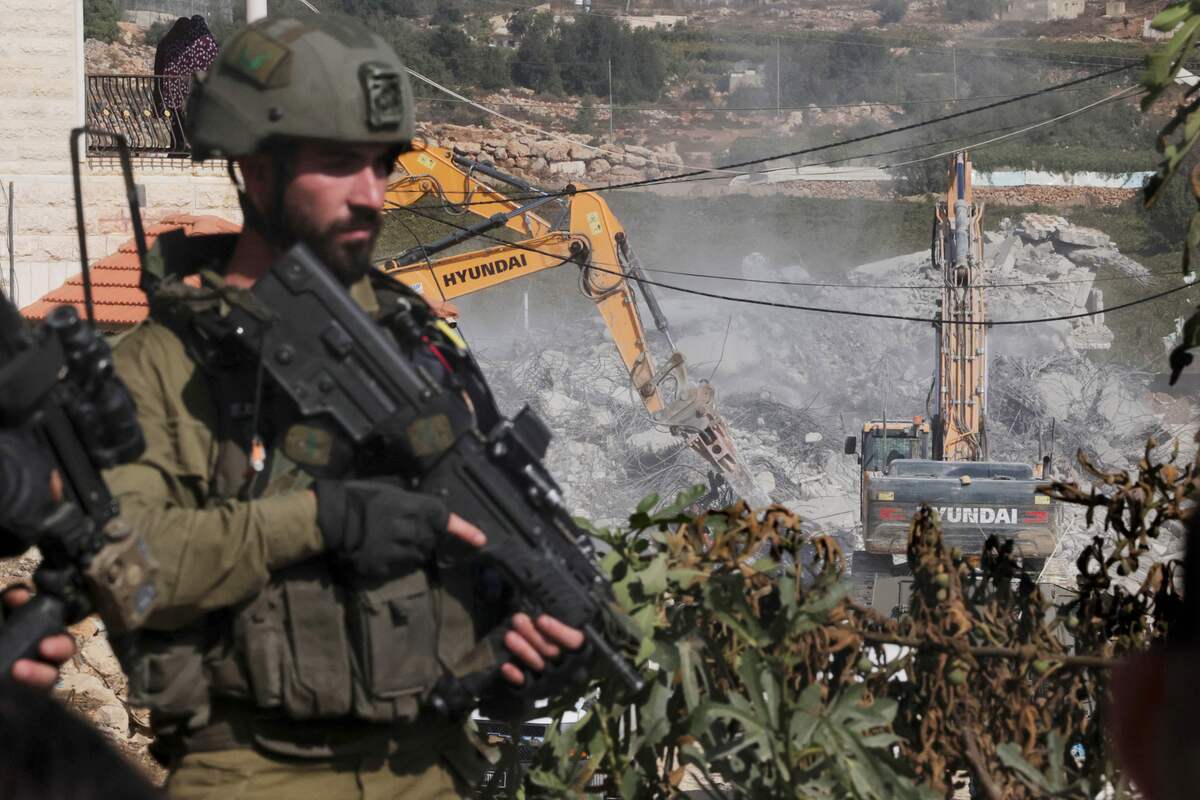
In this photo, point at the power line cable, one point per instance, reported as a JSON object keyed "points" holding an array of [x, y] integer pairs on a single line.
{"points": [[533, 106], [1012, 131], [789, 154], [815, 309], [551, 134], [429, 264]]}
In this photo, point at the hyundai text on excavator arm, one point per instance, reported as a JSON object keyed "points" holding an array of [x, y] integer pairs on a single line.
{"points": [[945, 465], [586, 234]]}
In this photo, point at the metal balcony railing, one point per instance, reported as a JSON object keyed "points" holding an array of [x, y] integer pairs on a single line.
{"points": [[147, 109]]}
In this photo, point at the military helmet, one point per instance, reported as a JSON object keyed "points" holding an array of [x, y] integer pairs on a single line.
{"points": [[316, 77]]}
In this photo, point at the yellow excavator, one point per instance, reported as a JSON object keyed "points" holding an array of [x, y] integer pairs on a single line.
{"points": [[909, 463], [585, 233]]}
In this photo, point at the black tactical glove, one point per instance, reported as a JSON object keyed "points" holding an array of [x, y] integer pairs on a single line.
{"points": [[376, 529], [570, 670]]}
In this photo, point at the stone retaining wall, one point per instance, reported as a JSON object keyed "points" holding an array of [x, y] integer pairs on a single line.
{"points": [[556, 161]]}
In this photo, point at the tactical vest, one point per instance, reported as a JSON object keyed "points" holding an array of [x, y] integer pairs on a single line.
{"points": [[309, 646]]}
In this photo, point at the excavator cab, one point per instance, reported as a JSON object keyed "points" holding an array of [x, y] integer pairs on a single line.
{"points": [[884, 442]]}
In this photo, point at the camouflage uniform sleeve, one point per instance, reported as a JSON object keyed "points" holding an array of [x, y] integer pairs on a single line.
{"points": [[212, 552]]}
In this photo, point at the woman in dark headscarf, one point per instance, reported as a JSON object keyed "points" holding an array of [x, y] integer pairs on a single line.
{"points": [[187, 47]]}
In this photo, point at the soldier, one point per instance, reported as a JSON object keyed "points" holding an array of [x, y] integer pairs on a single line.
{"points": [[301, 624]]}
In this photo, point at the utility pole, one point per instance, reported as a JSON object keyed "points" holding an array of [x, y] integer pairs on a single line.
{"points": [[255, 9], [778, 88], [954, 55], [610, 104]]}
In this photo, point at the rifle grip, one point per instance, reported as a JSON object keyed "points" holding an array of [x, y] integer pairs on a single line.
{"points": [[42, 616]]}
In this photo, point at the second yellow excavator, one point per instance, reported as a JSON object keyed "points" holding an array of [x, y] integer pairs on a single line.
{"points": [[587, 235]]}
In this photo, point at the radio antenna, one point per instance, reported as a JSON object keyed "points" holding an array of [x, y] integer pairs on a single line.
{"points": [[135, 212]]}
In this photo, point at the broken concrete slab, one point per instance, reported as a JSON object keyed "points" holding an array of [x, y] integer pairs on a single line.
{"points": [[1005, 254], [1040, 227], [1078, 236], [1107, 257], [1051, 265]]}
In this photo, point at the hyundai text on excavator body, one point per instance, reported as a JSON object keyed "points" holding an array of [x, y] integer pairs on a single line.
{"points": [[944, 462], [587, 234]]}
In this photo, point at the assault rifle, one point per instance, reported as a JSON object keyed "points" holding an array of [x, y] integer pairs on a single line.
{"points": [[343, 372], [57, 388], [59, 394]]}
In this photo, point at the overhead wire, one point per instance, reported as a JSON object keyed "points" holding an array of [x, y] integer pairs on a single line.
{"points": [[1149, 275], [810, 308], [734, 167], [533, 105], [550, 134]]}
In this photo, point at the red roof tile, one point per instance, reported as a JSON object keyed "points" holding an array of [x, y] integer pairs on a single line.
{"points": [[118, 303]]}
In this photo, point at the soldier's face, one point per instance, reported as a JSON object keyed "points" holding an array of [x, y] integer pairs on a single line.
{"points": [[334, 202]]}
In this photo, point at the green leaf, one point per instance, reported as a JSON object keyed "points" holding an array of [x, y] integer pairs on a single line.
{"points": [[654, 577], [689, 662], [1054, 752], [1010, 755], [802, 727], [1171, 16], [675, 509], [648, 502], [686, 578]]}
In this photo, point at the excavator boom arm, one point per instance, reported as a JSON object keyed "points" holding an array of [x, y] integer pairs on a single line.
{"points": [[596, 242], [962, 330], [434, 171]]}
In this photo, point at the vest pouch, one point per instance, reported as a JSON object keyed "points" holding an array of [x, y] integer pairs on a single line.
{"points": [[292, 642], [167, 675], [395, 631]]}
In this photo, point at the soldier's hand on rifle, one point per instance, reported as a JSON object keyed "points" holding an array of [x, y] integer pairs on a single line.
{"points": [[534, 643], [376, 529], [54, 650]]}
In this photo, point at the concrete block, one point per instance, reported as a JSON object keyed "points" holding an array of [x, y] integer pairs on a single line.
{"points": [[1082, 237], [557, 151], [1040, 227], [1006, 253], [570, 168]]}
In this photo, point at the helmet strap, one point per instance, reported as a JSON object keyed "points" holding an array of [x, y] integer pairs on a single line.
{"points": [[270, 221]]}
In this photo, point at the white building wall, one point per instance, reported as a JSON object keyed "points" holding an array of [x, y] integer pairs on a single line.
{"points": [[41, 100]]}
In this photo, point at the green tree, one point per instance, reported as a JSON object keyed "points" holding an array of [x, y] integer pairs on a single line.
{"points": [[890, 10], [100, 20], [534, 66], [586, 47], [447, 13], [959, 10], [1167, 221]]}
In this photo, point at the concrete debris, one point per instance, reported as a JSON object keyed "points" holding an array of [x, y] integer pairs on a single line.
{"points": [[1082, 237], [1039, 227], [792, 387], [1109, 258]]}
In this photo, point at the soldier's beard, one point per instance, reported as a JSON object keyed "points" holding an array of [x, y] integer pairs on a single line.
{"points": [[349, 261]]}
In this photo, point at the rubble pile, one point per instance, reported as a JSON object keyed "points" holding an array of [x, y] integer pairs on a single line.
{"points": [[791, 384]]}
